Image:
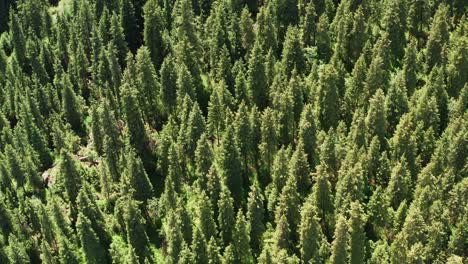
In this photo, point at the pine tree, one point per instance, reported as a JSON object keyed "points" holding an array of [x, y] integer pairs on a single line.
{"points": [[438, 35], [71, 107], [247, 30], [203, 160], [129, 23], [288, 206], [307, 135], [230, 165], [396, 101], [310, 232], [204, 214], [255, 218], [66, 252], [457, 63], [199, 247], [118, 38], [266, 30], [69, 175], [153, 31], [16, 250], [96, 130], [241, 240], [213, 252], [299, 169], [410, 67], [327, 104], [399, 186], [376, 117], [357, 235], [256, 78], [93, 251], [226, 217], [168, 84], [269, 138], [323, 199], [134, 176], [148, 86], [355, 86], [133, 119], [173, 237], [358, 35], [322, 39], [194, 129], [309, 24], [395, 25], [340, 242], [135, 229], [18, 40], [293, 55]]}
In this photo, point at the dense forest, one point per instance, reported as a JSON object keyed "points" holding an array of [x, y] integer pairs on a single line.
{"points": [[233, 131]]}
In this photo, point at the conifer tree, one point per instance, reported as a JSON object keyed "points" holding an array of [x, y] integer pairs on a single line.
{"points": [[357, 235], [327, 103], [118, 38], [410, 67], [376, 117], [168, 84], [395, 25], [203, 160], [153, 31], [135, 230], [309, 24], [323, 199], [256, 78], [148, 85], [269, 138], [437, 37], [396, 101], [288, 206], [66, 251], [241, 240], [16, 250], [247, 30], [69, 175], [266, 33], [194, 129], [322, 39], [358, 35], [18, 40], [310, 232], [173, 237], [96, 130], [205, 216], [88, 207], [340, 242], [226, 216], [299, 169], [133, 119], [129, 23], [213, 252], [307, 134], [93, 251], [229, 163], [293, 56], [199, 247], [134, 176], [71, 108], [399, 184], [255, 218]]}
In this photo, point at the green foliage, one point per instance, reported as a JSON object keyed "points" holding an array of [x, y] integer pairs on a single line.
{"points": [[202, 131]]}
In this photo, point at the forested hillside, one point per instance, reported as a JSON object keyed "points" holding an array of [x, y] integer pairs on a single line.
{"points": [[233, 131]]}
